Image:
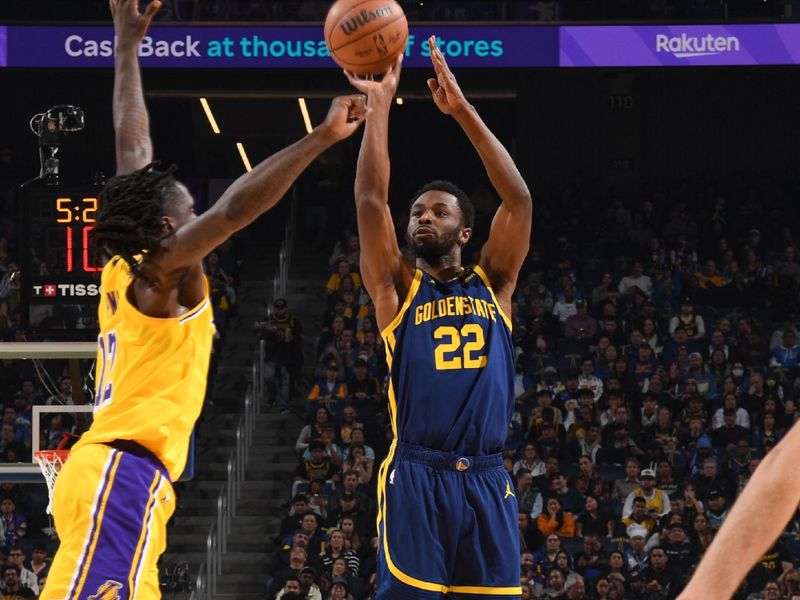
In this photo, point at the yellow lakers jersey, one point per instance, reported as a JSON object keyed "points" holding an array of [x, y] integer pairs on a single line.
{"points": [[150, 374]]}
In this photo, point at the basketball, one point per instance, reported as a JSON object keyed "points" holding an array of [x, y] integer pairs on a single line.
{"points": [[366, 36]]}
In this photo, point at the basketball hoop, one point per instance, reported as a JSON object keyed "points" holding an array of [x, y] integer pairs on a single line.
{"points": [[50, 462]]}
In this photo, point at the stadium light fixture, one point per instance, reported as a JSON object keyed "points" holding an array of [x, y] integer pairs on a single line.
{"points": [[304, 112], [209, 115], [243, 154]]}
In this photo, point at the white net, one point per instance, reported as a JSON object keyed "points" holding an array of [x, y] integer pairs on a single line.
{"points": [[50, 462]]}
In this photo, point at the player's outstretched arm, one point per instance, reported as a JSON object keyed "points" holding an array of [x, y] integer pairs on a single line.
{"points": [[385, 273], [509, 238], [256, 192], [769, 500], [134, 149]]}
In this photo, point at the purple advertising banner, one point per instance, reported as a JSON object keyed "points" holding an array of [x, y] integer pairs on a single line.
{"points": [[272, 47], [679, 45], [3, 55]]}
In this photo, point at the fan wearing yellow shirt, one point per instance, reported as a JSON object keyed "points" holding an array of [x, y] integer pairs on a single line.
{"points": [[114, 496]]}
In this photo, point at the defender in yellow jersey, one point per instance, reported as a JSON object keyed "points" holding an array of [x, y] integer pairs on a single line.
{"points": [[114, 496]]}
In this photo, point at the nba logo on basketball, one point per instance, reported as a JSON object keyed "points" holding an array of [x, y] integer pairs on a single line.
{"points": [[462, 464], [380, 45], [108, 591]]}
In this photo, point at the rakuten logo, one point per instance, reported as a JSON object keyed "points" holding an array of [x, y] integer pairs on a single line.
{"points": [[684, 46]]}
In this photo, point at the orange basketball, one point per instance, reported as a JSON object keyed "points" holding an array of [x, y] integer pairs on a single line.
{"points": [[366, 36]]}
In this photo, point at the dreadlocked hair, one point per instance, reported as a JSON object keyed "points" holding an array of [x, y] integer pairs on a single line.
{"points": [[131, 209]]}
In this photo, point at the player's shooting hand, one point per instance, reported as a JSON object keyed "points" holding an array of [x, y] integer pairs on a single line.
{"points": [[378, 91], [345, 116], [131, 25], [446, 92]]}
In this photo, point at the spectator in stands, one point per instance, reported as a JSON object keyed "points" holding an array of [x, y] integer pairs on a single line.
{"points": [[13, 526], [729, 434], [283, 352], [364, 390], [593, 520], [318, 465], [556, 580], [710, 480], [587, 380], [682, 554], [567, 306], [529, 498], [530, 461], [555, 520], [332, 449], [636, 280], [309, 589], [660, 576], [343, 269], [348, 424], [357, 462], [13, 588], [702, 533], [39, 563], [16, 556], [617, 568], [347, 250], [329, 337], [291, 585], [299, 509], [337, 548], [64, 395], [544, 559], [639, 517], [656, 501], [717, 510], [329, 392], [313, 431], [581, 325], [637, 556], [691, 322], [624, 486], [350, 506], [787, 354]]}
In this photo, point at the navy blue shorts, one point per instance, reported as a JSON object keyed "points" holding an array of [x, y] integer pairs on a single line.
{"points": [[447, 525]]}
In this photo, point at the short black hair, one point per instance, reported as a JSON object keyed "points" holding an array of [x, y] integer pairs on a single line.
{"points": [[131, 208], [464, 203]]}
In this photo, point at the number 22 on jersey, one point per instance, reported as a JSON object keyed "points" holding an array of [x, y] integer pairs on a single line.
{"points": [[107, 345], [459, 349]]}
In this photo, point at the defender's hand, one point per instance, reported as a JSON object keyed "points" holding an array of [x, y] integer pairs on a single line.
{"points": [[344, 116], [445, 89], [383, 90], [131, 25]]}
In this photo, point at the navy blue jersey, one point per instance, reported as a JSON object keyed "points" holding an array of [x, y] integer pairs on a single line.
{"points": [[452, 365]]}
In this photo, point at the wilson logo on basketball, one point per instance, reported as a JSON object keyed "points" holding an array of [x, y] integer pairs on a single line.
{"points": [[365, 16]]}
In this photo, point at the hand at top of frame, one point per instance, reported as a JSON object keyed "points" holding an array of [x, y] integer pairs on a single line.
{"points": [[344, 116], [380, 91], [129, 24], [445, 89]]}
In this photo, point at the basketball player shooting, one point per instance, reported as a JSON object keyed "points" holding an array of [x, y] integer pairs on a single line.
{"points": [[114, 495], [447, 516], [769, 499]]}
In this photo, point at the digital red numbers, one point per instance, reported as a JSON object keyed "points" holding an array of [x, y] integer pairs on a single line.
{"points": [[76, 214]]}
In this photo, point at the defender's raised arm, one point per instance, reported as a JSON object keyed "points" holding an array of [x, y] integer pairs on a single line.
{"points": [[134, 149]]}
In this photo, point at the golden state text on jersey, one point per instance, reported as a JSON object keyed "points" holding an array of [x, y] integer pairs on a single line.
{"points": [[452, 365]]}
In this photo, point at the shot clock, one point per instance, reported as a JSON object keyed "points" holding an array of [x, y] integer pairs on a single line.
{"points": [[61, 266]]}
